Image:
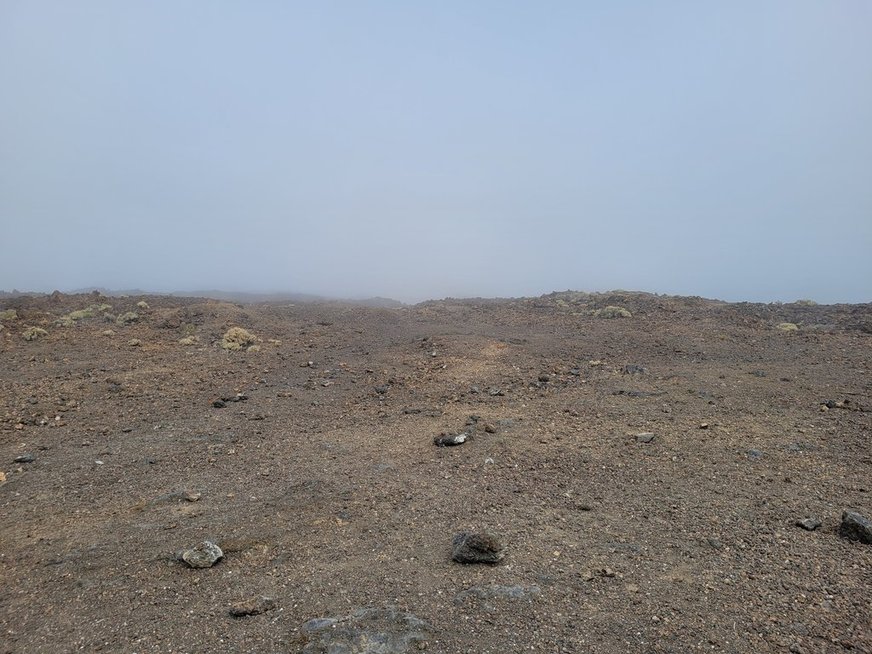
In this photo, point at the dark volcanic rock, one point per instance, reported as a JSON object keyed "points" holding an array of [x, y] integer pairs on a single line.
{"points": [[856, 527], [479, 547], [809, 524], [24, 458]]}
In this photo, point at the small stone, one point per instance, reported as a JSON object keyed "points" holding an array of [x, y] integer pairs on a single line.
{"points": [[544, 378], [755, 454], [478, 547], [607, 572], [856, 527], [450, 441], [809, 524], [495, 392], [703, 425], [134, 342], [644, 437], [253, 606], [24, 458], [381, 390], [204, 555], [490, 428], [633, 369], [219, 404]]}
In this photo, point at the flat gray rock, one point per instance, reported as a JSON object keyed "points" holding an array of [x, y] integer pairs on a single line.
{"points": [[371, 630]]}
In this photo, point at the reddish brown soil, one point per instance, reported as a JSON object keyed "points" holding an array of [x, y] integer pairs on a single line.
{"points": [[328, 495]]}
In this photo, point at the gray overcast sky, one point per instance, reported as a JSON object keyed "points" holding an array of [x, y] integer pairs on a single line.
{"points": [[417, 150]]}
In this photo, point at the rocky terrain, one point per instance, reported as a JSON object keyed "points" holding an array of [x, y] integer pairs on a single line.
{"points": [[571, 473]]}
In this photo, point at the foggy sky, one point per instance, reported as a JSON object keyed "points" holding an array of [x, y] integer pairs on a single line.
{"points": [[426, 149]]}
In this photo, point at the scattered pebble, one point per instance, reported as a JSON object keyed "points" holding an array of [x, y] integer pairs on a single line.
{"points": [[478, 547], [758, 373], [204, 555], [856, 527]]}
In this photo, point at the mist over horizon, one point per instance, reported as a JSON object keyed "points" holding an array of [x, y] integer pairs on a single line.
{"points": [[429, 151]]}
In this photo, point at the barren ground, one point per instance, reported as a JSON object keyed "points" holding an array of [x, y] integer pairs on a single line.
{"points": [[326, 493]]}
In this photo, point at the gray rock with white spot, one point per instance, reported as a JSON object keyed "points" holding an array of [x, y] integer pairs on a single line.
{"points": [[450, 440]]}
